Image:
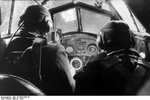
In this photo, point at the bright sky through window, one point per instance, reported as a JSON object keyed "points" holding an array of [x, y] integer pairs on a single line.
{"points": [[69, 15], [123, 10]]}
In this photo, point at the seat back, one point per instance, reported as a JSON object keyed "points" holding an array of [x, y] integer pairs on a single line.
{"points": [[14, 85], [47, 70], [30, 63], [13, 53]]}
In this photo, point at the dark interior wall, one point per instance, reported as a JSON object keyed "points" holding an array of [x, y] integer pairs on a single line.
{"points": [[137, 5], [146, 13]]}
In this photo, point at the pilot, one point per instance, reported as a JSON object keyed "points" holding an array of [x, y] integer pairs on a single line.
{"points": [[110, 71], [30, 26], [45, 64], [32, 23]]}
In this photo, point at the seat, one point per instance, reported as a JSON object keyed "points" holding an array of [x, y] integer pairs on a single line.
{"points": [[30, 63], [13, 54], [14, 85], [44, 69]]}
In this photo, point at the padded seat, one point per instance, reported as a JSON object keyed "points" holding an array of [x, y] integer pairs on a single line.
{"points": [[14, 85]]}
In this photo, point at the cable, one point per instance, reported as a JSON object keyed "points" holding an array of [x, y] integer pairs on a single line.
{"points": [[16, 32]]}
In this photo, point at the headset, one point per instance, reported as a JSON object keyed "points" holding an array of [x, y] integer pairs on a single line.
{"points": [[103, 43]]}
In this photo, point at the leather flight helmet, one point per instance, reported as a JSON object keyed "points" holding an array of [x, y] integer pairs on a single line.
{"points": [[36, 16], [115, 35]]}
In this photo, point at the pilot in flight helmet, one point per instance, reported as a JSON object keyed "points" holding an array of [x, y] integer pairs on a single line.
{"points": [[115, 35], [36, 16]]}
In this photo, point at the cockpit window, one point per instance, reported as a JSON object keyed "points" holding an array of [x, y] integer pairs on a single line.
{"points": [[127, 15], [66, 20], [5, 13], [92, 21]]}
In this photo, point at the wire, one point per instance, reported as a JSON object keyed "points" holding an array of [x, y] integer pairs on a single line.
{"points": [[16, 32]]}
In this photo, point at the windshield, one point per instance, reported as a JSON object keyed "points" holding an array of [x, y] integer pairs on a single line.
{"points": [[20, 5], [92, 21], [66, 21]]}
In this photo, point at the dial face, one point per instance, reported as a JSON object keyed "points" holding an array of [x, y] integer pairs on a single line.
{"points": [[76, 63], [69, 49], [92, 49]]}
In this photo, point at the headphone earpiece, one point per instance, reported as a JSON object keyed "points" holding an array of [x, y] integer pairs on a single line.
{"points": [[100, 42], [44, 25]]}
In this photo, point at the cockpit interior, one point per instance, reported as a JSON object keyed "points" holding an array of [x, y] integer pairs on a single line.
{"points": [[76, 26]]}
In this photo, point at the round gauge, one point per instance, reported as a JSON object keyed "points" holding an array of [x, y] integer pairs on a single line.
{"points": [[76, 63], [92, 49], [69, 49]]}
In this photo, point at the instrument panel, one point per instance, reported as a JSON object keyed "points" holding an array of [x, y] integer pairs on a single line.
{"points": [[79, 48]]}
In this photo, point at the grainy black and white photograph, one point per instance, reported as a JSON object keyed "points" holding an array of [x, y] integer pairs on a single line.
{"points": [[74, 48]]}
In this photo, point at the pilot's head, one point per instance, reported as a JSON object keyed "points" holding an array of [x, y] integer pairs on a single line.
{"points": [[36, 17], [115, 35]]}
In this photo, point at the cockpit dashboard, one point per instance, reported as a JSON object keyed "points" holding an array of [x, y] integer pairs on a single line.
{"points": [[79, 47]]}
